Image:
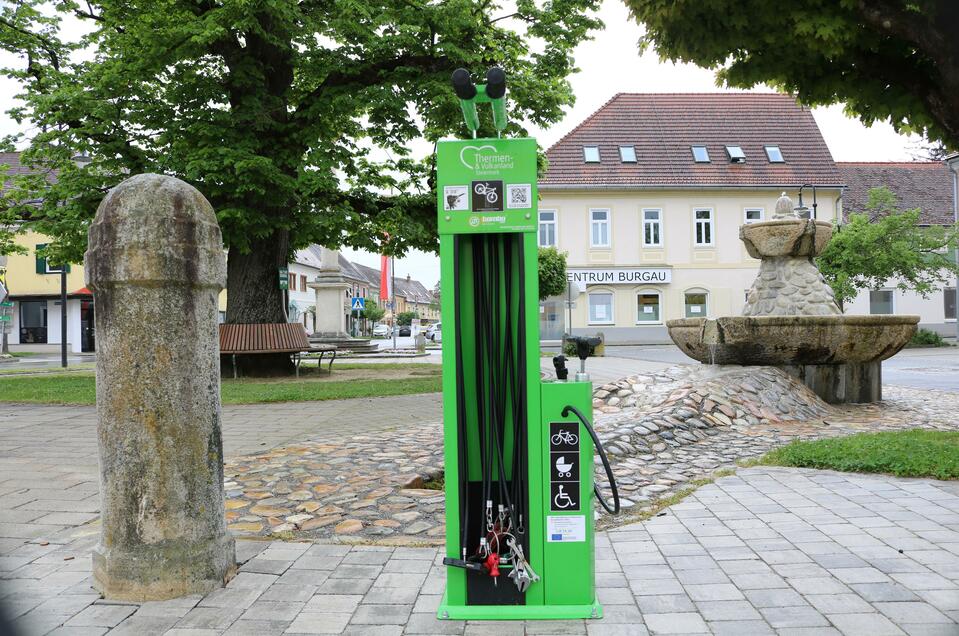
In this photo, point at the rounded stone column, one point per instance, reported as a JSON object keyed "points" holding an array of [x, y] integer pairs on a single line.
{"points": [[156, 265]]}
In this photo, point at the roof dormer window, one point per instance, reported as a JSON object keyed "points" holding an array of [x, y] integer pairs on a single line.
{"points": [[627, 154], [775, 154], [700, 154], [736, 154], [591, 154]]}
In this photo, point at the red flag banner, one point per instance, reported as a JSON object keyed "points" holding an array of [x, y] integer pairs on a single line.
{"points": [[386, 279]]}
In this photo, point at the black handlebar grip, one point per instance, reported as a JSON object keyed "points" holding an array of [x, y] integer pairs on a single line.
{"points": [[495, 83], [463, 84]]}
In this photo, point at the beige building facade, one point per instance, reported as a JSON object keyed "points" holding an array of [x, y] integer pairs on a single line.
{"points": [[638, 258], [646, 198]]}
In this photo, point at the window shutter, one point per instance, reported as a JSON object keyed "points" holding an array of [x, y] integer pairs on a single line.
{"points": [[41, 262]]}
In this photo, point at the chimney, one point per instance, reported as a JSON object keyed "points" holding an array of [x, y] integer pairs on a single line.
{"points": [[407, 278]]}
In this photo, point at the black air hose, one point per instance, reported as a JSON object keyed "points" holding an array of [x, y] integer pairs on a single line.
{"points": [[602, 455]]}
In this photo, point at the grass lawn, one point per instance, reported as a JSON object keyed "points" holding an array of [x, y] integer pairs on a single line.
{"points": [[913, 453], [346, 381]]}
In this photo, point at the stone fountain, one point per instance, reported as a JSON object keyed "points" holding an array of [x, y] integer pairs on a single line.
{"points": [[791, 319]]}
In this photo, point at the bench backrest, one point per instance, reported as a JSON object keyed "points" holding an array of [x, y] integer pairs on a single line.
{"points": [[263, 338]]}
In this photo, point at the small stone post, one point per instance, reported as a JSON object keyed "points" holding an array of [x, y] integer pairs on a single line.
{"points": [[155, 264]]}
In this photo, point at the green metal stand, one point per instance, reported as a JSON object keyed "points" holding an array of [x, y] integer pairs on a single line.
{"points": [[506, 440]]}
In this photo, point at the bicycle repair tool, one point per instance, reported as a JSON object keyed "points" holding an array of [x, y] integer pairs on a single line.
{"points": [[518, 450]]}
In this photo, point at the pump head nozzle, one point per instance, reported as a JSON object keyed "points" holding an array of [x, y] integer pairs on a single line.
{"points": [[495, 83]]}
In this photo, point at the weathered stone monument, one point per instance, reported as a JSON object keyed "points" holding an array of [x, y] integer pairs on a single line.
{"points": [[330, 319], [155, 264]]}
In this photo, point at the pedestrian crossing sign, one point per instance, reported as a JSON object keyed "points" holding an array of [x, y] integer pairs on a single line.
{"points": [[358, 304]]}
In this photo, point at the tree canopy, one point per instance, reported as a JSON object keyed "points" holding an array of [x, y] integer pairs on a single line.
{"points": [[552, 272], [885, 59], [295, 118], [884, 245]]}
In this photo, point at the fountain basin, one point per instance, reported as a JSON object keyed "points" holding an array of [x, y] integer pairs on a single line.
{"points": [[792, 340], [786, 237]]}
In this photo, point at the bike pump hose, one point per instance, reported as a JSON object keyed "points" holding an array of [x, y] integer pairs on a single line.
{"points": [[602, 455]]}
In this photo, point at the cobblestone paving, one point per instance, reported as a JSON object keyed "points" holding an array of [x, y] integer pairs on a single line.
{"points": [[768, 551], [662, 430]]}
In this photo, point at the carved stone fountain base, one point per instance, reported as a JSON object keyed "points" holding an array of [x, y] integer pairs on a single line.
{"points": [[838, 357]]}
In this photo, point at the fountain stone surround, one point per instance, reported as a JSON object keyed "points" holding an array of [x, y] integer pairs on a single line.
{"points": [[791, 319]]}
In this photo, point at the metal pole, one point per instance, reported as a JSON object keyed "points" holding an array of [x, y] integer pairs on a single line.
{"points": [[63, 316], [569, 307], [396, 327]]}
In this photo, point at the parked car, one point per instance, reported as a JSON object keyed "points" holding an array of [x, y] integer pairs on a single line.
{"points": [[405, 331], [381, 331], [434, 332]]}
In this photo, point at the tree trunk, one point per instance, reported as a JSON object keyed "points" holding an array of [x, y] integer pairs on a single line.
{"points": [[254, 297]]}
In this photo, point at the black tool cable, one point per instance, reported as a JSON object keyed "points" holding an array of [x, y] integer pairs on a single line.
{"points": [[478, 245], [520, 388], [602, 455], [461, 421], [498, 426]]}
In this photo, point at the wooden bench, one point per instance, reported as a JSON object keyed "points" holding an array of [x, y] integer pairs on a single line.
{"points": [[270, 338]]}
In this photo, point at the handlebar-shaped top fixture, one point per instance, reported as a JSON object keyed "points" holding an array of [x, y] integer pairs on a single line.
{"points": [[614, 510], [469, 94]]}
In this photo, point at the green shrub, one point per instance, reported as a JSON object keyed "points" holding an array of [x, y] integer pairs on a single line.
{"points": [[926, 337]]}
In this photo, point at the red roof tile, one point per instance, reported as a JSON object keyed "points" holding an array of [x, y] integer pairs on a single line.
{"points": [[926, 185], [664, 126]]}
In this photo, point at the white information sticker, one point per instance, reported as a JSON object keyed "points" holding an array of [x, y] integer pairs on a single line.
{"points": [[566, 529], [600, 311], [647, 310], [696, 309]]}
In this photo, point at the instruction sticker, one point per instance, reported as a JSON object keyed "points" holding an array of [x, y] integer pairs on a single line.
{"points": [[456, 197], [568, 529]]}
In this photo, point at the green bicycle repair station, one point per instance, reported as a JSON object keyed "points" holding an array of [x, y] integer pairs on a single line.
{"points": [[518, 449]]}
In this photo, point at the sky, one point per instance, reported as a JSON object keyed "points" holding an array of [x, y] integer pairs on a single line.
{"points": [[611, 64]]}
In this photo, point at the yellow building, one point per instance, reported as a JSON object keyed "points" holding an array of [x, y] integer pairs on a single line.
{"points": [[647, 195], [34, 287]]}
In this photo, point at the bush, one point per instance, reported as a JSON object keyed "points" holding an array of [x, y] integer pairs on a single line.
{"points": [[924, 337]]}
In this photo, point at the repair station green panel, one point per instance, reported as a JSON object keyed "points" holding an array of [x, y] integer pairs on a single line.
{"points": [[569, 567], [486, 185]]}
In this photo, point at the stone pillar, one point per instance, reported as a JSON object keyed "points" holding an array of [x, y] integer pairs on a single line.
{"points": [[330, 288], [155, 264]]}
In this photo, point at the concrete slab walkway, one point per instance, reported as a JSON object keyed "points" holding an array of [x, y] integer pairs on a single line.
{"points": [[767, 551]]}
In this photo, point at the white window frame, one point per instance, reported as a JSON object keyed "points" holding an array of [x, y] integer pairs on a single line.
{"points": [[658, 222], [622, 157], [762, 215], [696, 290], [608, 223], [735, 157], [554, 223], [782, 157], [659, 304], [711, 222], [892, 301], [612, 307], [586, 158]]}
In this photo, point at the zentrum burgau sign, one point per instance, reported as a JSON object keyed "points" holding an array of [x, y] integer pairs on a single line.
{"points": [[486, 185], [620, 276]]}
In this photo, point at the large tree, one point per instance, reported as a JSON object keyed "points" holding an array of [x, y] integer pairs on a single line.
{"points": [[882, 245], [295, 118], [885, 59]]}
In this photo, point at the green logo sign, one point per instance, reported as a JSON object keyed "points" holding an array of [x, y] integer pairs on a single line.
{"points": [[284, 278], [6, 318], [486, 185]]}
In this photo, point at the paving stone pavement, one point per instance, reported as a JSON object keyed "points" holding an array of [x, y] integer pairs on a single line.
{"points": [[767, 551]]}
